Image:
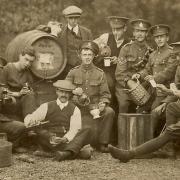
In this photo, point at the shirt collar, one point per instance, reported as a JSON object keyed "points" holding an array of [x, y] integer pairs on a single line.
{"points": [[141, 44], [119, 42], [75, 29], [60, 104]]}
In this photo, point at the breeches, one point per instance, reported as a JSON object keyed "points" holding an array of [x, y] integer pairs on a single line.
{"points": [[100, 128]]}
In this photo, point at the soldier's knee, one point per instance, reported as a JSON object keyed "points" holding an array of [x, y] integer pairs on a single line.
{"points": [[109, 111], [170, 107], [123, 106], [42, 133]]}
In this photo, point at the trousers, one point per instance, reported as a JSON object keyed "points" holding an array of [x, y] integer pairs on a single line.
{"points": [[74, 146], [101, 128], [15, 130]]}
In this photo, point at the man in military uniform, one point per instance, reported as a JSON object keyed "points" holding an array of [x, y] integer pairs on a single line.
{"points": [[132, 58], [93, 82], [161, 67], [172, 133], [72, 36]]}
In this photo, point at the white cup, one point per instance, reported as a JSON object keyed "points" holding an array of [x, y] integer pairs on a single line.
{"points": [[153, 83], [107, 62], [95, 113]]}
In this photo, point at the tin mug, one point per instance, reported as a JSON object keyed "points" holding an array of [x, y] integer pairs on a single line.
{"points": [[107, 62]]}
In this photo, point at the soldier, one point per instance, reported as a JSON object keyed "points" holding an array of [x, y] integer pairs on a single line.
{"points": [[132, 58], [171, 133], [93, 82], [161, 67], [72, 36]]}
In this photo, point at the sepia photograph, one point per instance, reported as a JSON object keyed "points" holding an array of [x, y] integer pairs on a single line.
{"points": [[89, 90]]}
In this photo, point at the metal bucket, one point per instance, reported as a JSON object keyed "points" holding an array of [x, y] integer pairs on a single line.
{"points": [[5, 151], [133, 130]]}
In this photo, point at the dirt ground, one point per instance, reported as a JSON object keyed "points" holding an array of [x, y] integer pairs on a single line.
{"points": [[100, 167]]}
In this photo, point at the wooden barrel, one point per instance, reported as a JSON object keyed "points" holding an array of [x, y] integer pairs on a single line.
{"points": [[50, 60], [133, 130]]}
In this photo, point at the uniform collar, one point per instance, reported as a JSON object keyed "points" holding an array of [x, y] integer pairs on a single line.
{"points": [[87, 67], [75, 29], [60, 104], [141, 44], [165, 47]]}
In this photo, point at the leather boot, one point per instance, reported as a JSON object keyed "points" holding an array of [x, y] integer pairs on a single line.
{"points": [[123, 155], [62, 155], [103, 148]]}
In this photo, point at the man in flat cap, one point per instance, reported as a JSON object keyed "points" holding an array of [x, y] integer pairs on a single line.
{"points": [[161, 67], [93, 82], [132, 58], [110, 45], [72, 36], [62, 135]]}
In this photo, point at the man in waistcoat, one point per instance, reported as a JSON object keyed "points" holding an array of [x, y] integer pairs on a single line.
{"points": [[72, 36], [62, 136], [110, 45]]}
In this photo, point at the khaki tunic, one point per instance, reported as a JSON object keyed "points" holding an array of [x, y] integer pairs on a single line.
{"points": [[93, 82], [131, 54]]}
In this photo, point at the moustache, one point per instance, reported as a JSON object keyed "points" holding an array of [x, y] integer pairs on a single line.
{"points": [[64, 97]]}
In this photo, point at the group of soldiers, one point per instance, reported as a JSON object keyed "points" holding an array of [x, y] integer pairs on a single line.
{"points": [[93, 90]]}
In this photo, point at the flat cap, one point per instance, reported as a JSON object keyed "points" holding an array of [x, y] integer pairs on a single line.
{"points": [[141, 24], [90, 45], [64, 85], [72, 11], [160, 29], [117, 21]]}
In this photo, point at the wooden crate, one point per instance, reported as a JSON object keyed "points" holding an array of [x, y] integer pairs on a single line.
{"points": [[133, 130]]}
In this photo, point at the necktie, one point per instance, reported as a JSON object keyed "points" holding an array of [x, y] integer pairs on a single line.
{"points": [[72, 31]]}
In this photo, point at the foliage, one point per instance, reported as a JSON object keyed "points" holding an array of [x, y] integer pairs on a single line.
{"points": [[17, 16]]}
